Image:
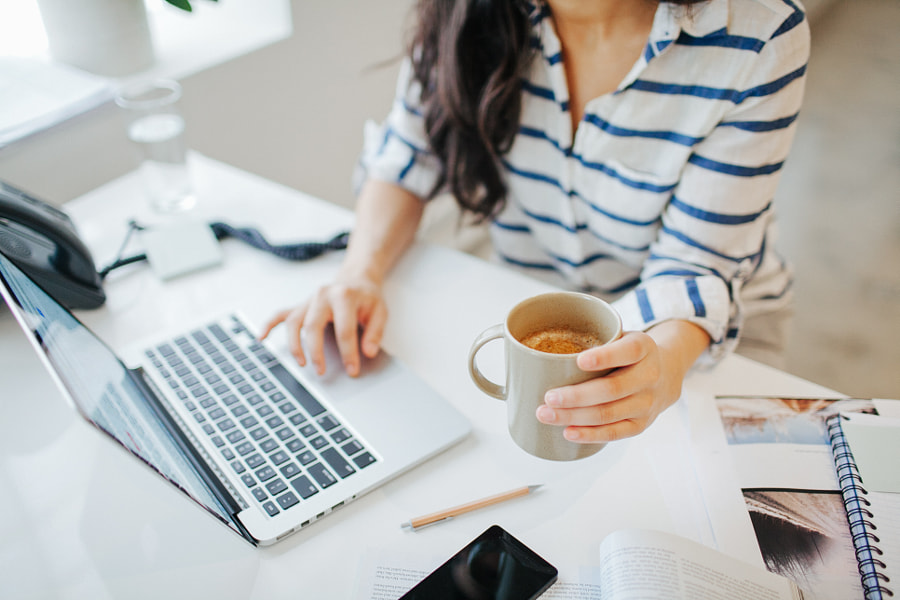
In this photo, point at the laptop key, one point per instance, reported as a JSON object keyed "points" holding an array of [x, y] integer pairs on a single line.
{"points": [[304, 486], [254, 461], [295, 445], [287, 407], [259, 494], [271, 509], [276, 486], [296, 390], [337, 462], [363, 460], [266, 473], [340, 436], [306, 457], [327, 422], [290, 469], [287, 500], [352, 447], [217, 331], [322, 475], [284, 433]]}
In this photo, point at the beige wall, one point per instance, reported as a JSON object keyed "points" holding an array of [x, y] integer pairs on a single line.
{"points": [[292, 112]]}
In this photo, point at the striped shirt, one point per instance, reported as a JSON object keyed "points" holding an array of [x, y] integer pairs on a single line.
{"points": [[662, 199]]}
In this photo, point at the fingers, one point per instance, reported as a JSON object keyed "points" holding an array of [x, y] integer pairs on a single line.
{"points": [[346, 333], [347, 308], [311, 333], [620, 404], [601, 422], [274, 322], [374, 330], [629, 349]]}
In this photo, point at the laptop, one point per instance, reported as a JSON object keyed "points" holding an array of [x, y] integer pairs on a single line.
{"points": [[264, 446]]}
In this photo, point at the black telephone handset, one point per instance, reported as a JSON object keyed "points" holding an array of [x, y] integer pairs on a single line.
{"points": [[41, 240]]}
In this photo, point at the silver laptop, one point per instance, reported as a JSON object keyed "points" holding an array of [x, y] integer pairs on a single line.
{"points": [[261, 445]]}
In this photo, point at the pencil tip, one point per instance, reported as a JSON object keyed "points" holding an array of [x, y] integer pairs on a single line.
{"points": [[531, 488]]}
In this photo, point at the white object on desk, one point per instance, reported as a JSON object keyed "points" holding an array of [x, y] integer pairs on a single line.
{"points": [[36, 94], [181, 248]]}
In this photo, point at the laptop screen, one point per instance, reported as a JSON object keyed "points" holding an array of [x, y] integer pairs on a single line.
{"points": [[101, 387]]}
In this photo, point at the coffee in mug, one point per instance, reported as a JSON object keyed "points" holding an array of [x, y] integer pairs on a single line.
{"points": [[543, 336], [561, 340]]}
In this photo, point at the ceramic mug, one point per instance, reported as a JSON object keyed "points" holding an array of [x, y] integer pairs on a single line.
{"points": [[530, 373]]}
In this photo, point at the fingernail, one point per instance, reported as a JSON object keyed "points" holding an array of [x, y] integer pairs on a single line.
{"points": [[572, 434], [553, 398], [545, 414]]}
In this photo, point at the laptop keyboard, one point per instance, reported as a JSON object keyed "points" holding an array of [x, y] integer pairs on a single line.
{"points": [[277, 437]]}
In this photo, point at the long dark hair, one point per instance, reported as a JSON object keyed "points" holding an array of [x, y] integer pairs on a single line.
{"points": [[470, 57]]}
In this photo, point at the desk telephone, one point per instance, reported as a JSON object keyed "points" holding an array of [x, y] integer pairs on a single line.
{"points": [[41, 240]]}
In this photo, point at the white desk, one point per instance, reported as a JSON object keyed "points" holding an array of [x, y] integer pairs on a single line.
{"points": [[80, 518]]}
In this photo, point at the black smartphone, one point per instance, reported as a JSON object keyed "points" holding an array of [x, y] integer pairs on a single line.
{"points": [[493, 566]]}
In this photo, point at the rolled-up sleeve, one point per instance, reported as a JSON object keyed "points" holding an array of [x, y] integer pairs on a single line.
{"points": [[396, 151], [715, 228]]}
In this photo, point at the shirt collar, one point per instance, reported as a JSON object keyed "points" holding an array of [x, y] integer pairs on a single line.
{"points": [[698, 20]]}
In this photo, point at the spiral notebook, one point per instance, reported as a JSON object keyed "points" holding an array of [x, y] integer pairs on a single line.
{"points": [[866, 450]]}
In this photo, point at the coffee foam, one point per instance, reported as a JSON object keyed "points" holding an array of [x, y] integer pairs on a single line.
{"points": [[561, 340]]}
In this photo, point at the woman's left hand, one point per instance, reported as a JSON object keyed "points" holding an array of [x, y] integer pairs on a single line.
{"points": [[648, 371]]}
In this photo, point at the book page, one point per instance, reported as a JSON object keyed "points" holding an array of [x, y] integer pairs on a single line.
{"points": [[649, 565], [871, 439]]}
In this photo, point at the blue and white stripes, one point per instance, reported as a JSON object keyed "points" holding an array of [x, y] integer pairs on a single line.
{"points": [[663, 197]]}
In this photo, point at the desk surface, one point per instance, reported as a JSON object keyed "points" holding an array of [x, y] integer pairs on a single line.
{"points": [[80, 518]]}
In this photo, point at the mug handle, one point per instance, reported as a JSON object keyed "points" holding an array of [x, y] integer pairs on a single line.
{"points": [[486, 385]]}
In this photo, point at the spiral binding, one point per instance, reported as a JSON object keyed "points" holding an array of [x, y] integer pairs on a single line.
{"points": [[862, 527]]}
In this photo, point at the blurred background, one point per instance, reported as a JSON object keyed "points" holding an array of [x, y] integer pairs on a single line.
{"points": [[292, 110]]}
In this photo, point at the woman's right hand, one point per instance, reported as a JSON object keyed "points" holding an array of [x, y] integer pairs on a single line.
{"points": [[387, 217], [357, 308]]}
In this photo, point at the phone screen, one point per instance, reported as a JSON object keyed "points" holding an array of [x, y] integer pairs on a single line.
{"points": [[494, 566]]}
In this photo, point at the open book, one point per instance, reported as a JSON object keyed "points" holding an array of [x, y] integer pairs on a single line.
{"points": [[633, 563], [636, 563]]}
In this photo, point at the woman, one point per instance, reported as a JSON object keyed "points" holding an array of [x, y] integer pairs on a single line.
{"points": [[626, 148]]}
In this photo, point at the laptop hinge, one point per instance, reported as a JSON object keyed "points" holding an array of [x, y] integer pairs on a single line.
{"points": [[209, 477]]}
